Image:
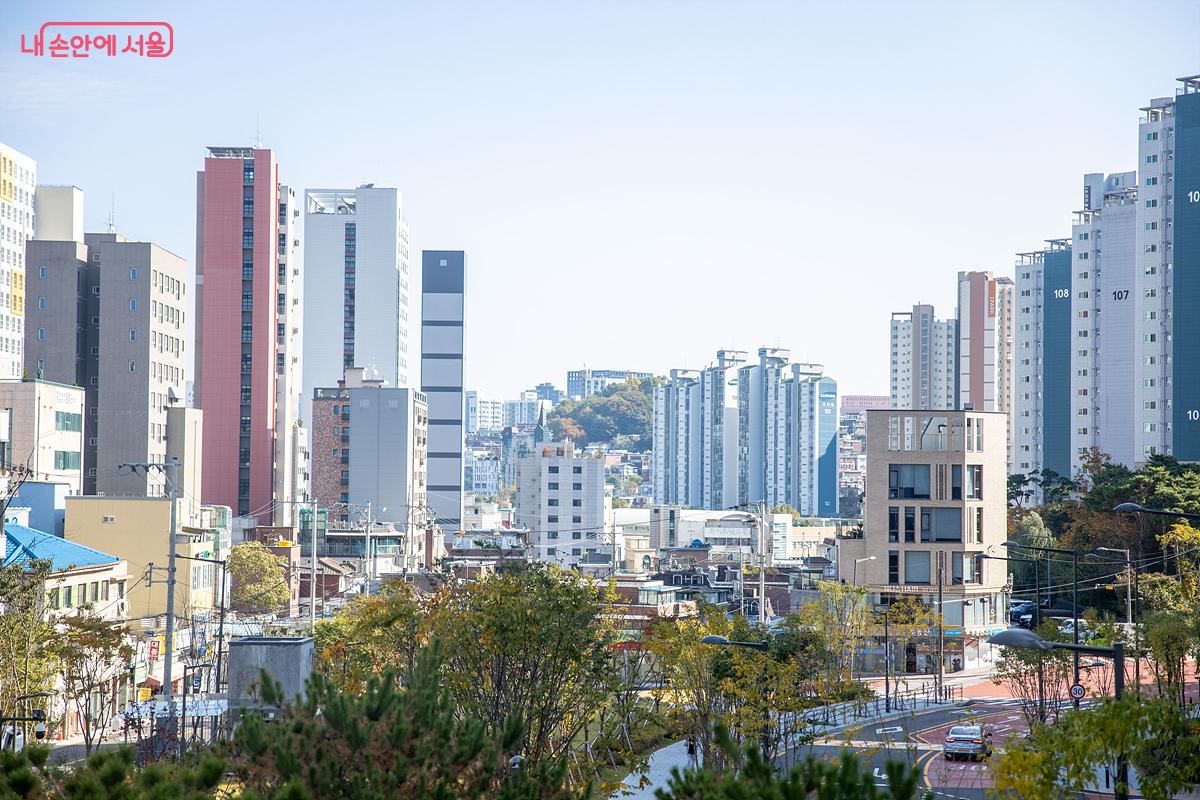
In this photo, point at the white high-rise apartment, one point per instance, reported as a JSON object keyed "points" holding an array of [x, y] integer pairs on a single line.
{"points": [[677, 463], [986, 344], [923, 360], [291, 436], [1104, 411], [734, 433], [18, 182], [356, 249]]}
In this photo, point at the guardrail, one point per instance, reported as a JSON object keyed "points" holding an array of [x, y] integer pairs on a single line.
{"points": [[920, 698]]}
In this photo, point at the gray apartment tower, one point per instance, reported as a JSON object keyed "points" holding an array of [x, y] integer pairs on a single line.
{"points": [[443, 278], [110, 315]]}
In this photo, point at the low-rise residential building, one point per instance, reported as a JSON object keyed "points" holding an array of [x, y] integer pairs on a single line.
{"points": [[562, 504], [586, 382], [41, 427], [936, 502], [137, 529]]}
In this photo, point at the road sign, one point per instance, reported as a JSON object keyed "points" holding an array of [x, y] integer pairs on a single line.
{"points": [[1077, 691]]}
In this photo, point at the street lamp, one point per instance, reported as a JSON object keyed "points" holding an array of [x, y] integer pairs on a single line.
{"points": [[1135, 508], [37, 716], [1074, 554], [721, 641], [1027, 639], [858, 561]]}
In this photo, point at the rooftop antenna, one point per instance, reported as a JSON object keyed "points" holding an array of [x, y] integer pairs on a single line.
{"points": [[258, 131], [112, 214]]}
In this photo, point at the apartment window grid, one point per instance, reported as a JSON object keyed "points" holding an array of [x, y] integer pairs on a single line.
{"points": [[350, 255], [247, 337]]}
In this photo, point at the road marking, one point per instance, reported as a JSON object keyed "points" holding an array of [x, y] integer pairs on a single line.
{"points": [[893, 729]]}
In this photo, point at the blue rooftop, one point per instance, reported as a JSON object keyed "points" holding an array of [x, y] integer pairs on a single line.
{"points": [[22, 545]]}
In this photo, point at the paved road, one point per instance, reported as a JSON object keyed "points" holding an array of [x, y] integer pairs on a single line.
{"points": [[917, 740]]}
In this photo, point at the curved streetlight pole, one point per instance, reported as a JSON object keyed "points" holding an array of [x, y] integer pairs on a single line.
{"points": [[857, 561], [1074, 554], [1027, 639]]}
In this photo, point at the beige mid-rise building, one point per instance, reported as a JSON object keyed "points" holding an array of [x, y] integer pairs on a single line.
{"points": [[936, 503], [137, 529]]}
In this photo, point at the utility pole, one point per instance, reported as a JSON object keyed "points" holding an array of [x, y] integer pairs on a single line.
{"points": [[940, 677], [312, 583], [170, 470], [762, 562], [370, 555]]}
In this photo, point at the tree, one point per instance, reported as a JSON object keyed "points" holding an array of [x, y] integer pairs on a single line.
{"points": [[839, 615], [1056, 488], [1159, 738], [372, 635], [26, 666], [1171, 638], [94, 654], [1030, 531], [621, 413], [1019, 489], [1041, 679], [387, 743], [756, 778], [259, 585], [530, 642]]}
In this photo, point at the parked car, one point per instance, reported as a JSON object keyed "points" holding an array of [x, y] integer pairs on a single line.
{"points": [[1020, 609], [973, 742]]}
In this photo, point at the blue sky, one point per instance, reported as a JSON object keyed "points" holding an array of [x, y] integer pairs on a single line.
{"points": [[636, 184]]}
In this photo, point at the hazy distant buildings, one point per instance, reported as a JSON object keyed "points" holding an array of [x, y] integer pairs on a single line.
{"points": [[443, 274], [584, 382], [736, 433], [484, 415]]}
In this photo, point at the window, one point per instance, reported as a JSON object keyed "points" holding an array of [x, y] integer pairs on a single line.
{"points": [[926, 524], [552, 485], [894, 524], [41, 272], [908, 481], [133, 366], [133, 273], [552, 470], [133, 304], [576, 487], [974, 482], [577, 503], [893, 566], [1152, 158], [41, 304], [910, 524], [68, 421], [576, 519], [66, 459], [133, 334], [916, 566], [552, 501], [577, 470], [41, 334]]}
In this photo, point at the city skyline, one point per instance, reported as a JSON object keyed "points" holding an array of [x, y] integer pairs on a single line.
{"points": [[727, 193]]}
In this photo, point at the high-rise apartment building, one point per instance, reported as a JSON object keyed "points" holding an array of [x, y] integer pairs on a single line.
{"points": [[561, 501], [484, 415], [736, 433], [525, 411], [110, 315], [18, 182], [1104, 410], [356, 248], [676, 468], [1168, 249], [443, 280], [1045, 343], [986, 344], [247, 320], [924, 364], [1108, 355], [936, 502]]}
